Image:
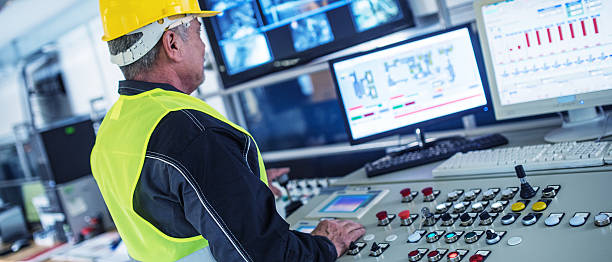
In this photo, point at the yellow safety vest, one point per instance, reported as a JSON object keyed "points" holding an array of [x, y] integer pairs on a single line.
{"points": [[117, 159]]}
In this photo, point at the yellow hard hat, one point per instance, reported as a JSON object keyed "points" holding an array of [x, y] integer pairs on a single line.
{"points": [[120, 17]]}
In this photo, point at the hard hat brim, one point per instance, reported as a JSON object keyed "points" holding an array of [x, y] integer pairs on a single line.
{"points": [[108, 37]]}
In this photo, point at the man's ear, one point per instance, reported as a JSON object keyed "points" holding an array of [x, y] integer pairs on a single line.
{"points": [[172, 46]]}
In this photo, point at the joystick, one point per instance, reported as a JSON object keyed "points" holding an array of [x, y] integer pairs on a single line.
{"points": [[527, 191]]}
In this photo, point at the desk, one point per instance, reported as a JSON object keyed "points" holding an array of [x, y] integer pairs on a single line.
{"points": [[423, 173]]}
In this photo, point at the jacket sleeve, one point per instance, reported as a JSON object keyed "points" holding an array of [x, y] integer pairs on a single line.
{"points": [[225, 201]]}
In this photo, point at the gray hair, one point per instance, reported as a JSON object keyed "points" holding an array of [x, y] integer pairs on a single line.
{"points": [[147, 62]]}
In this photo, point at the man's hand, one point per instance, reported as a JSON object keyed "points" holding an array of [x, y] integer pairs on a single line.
{"points": [[340, 232], [274, 173]]}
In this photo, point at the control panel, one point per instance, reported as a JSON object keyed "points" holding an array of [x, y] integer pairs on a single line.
{"points": [[561, 217]]}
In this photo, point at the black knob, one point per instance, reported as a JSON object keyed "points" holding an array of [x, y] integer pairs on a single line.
{"points": [[491, 234], [375, 247], [526, 190], [446, 217], [465, 217], [353, 246], [484, 215]]}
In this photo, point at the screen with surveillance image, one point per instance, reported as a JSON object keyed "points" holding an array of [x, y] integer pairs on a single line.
{"points": [[251, 38]]}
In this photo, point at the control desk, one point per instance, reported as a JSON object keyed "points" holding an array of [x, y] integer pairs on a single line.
{"points": [[474, 219]]}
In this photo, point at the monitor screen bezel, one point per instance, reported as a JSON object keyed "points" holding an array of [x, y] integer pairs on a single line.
{"points": [[300, 58], [409, 128], [532, 108]]}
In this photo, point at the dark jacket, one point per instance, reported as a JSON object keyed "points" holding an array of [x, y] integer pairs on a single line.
{"points": [[222, 164]]}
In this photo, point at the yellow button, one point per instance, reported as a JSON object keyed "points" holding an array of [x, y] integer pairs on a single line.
{"points": [[539, 206], [518, 206]]}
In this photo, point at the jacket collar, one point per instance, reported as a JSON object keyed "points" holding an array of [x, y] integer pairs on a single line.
{"points": [[133, 87]]}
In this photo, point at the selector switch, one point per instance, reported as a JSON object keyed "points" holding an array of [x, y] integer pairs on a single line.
{"points": [[477, 207], [551, 191], [490, 193], [454, 195], [602, 220], [355, 248], [469, 195], [485, 218], [459, 208], [466, 219], [377, 249], [441, 208], [497, 207], [494, 237], [508, 193]]}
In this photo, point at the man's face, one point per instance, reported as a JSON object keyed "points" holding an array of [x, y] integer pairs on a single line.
{"points": [[194, 60]]}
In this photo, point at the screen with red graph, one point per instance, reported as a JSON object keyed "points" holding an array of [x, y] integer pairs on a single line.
{"points": [[549, 48]]}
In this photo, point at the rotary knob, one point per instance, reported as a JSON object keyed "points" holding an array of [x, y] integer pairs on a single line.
{"points": [[406, 195], [488, 195], [529, 220], [447, 219], [414, 255], [485, 218], [459, 208], [497, 207], [434, 256], [477, 207], [453, 256], [452, 196], [441, 208], [549, 192], [353, 249], [466, 219], [492, 237], [376, 250], [508, 219], [471, 237], [602, 220], [469, 195], [428, 194], [451, 237]]}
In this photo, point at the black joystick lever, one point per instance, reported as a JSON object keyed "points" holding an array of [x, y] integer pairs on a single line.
{"points": [[527, 191]]}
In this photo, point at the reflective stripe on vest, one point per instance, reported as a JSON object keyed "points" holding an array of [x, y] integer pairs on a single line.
{"points": [[117, 159]]}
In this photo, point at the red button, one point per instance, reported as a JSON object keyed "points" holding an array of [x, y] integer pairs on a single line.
{"points": [[476, 258], [404, 214], [414, 253], [405, 192], [427, 191], [453, 254], [433, 253], [381, 215]]}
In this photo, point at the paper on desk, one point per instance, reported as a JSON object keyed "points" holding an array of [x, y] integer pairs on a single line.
{"points": [[96, 249]]}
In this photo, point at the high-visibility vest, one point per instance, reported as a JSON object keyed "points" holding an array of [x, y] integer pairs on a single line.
{"points": [[117, 159]]}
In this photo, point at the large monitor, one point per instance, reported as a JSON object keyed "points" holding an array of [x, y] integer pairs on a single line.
{"points": [[409, 84], [545, 56], [255, 37]]}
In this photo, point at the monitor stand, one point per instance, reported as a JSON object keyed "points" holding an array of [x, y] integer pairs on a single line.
{"points": [[582, 124]]}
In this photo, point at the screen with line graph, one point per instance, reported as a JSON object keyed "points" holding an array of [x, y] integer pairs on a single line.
{"points": [[254, 37], [549, 48], [409, 83]]}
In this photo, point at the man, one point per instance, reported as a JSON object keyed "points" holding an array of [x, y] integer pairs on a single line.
{"points": [[180, 180]]}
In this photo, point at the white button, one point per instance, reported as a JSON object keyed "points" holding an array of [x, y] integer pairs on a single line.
{"points": [[513, 241], [415, 237], [391, 238], [368, 237], [552, 221], [577, 221]]}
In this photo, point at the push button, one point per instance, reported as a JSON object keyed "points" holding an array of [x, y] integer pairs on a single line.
{"points": [[407, 195], [553, 219], [518, 206], [384, 218], [530, 219], [428, 194], [579, 219], [416, 255], [602, 220], [508, 219], [539, 206]]}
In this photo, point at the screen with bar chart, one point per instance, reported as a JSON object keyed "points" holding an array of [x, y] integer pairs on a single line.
{"points": [[549, 48], [408, 83]]}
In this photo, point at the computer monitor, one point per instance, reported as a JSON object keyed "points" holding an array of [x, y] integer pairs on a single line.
{"points": [[549, 56], [409, 84]]}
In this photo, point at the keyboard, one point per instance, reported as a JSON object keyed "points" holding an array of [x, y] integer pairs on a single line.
{"points": [[436, 151], [534, 157]]}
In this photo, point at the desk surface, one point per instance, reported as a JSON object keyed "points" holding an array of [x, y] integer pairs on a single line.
{"points": [[424, 173]]}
